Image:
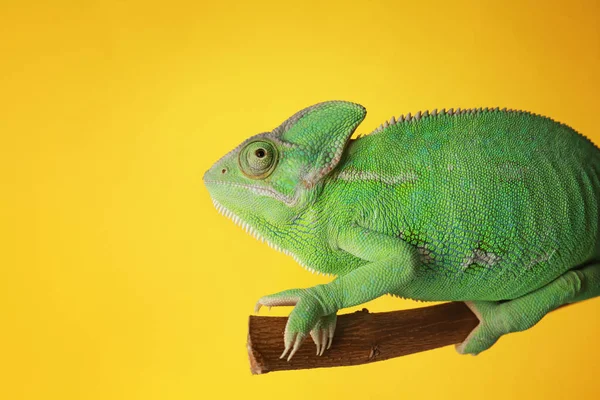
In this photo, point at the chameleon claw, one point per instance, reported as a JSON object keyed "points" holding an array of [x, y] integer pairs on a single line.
{"points": [[259, 305], [324, 335], [319, 343], [331, 332], [284, 353], [288, 346], [297, 343], [292, 342]]}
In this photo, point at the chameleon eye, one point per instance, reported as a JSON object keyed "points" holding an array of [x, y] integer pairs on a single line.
{"points": [[258, 159]]}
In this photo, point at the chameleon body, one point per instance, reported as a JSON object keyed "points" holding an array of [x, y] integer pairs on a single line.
{"points": [[497, 208]]}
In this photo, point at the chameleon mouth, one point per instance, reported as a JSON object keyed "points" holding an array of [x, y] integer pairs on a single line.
{"points": [[252, 231], [287, 200]]}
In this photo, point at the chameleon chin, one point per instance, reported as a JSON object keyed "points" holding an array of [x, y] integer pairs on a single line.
{"points": [[496, 208]]}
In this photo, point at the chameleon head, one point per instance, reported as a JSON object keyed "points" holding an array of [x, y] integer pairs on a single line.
{"points": [[273, 175]]}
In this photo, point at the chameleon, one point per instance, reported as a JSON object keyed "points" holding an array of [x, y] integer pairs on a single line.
{"points": [[492, 207]]}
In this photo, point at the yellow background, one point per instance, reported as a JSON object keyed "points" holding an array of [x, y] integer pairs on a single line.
{"points": [[118, 278]]}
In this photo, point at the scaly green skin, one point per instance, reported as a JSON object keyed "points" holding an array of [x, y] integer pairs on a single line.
{"points": [[477, 206]]}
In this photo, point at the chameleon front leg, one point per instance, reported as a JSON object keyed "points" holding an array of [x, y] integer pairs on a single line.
{"points": [[390, 264], [497, 319]]}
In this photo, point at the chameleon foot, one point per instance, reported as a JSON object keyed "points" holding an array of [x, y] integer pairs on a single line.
{"points": [[307, 317], [486, 333]]}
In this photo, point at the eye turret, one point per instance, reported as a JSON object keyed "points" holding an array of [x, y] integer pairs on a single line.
{"points": [[257, 160]]}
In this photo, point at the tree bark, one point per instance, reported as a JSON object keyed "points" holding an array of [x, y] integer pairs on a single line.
{"points": [[362, 337]]}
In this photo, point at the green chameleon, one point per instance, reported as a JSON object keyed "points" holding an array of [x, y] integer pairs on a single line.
{"points": [[497, 208]]}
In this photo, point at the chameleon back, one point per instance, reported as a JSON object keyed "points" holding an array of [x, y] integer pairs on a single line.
{"points": [[500, 199]]}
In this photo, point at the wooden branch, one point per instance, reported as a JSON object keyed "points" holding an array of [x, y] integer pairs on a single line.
{"points": [[362, 337]]}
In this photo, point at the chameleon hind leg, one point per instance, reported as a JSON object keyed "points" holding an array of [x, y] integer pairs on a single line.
{"points": [[497, 319]]}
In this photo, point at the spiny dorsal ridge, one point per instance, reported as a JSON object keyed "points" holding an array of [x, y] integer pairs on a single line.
{"points": [[435, 113]]}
